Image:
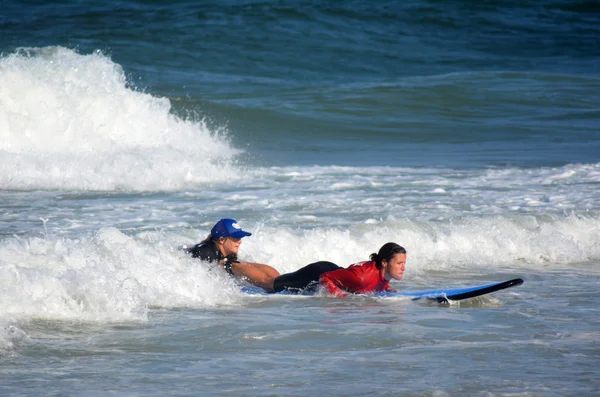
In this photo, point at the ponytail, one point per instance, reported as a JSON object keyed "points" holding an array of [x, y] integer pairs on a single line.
{"points": [[386, 252]]}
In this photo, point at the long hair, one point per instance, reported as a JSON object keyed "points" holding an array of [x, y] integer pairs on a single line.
{"points": [[386, 252]]}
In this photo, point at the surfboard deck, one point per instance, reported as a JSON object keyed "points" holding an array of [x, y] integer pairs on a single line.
{"points": [[456, 294], [439, 295]]}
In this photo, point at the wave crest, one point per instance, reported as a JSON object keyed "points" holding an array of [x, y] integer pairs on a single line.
{"points": [[72, 121]]}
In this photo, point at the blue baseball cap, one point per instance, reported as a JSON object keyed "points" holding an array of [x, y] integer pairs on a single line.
{"points": [[227, 228]]}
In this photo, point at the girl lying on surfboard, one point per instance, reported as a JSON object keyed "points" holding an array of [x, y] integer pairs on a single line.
{"points": [[221, 246], [223, 243], [365, 277]]}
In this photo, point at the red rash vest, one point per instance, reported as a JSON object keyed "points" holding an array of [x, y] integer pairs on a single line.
{"points": [[359, 278]]}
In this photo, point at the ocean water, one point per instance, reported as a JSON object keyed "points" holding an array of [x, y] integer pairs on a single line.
{"points": [[467, 132]]}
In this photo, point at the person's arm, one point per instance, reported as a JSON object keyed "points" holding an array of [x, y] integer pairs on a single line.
{"points": [[253, 274], [268, 270], [339, 282]]}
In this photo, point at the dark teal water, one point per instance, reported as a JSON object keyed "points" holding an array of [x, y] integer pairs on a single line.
{"points": [[389, 83]]}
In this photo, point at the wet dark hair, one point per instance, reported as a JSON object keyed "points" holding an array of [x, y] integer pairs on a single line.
{"points": [[386, 252]]}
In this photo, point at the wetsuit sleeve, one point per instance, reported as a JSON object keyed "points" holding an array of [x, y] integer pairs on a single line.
{"points": [[339, 282]]}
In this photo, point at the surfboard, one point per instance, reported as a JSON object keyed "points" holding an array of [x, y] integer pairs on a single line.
{"points": [[456, 294], [439, 295]]}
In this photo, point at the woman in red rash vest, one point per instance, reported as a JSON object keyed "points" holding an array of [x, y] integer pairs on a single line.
{"points": [[360, 278]]}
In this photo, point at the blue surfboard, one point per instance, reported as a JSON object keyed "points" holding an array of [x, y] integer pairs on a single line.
{"points": [[456, 294], [439, 295]]}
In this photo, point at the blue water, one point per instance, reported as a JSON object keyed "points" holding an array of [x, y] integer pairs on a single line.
{"points": [[468, 132]]}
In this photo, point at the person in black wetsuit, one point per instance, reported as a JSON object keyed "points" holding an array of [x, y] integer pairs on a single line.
{"points": [[222, 246]]}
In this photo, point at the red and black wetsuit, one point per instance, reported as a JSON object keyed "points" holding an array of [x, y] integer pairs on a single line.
{"points": [[359, 278], [304, 279]]}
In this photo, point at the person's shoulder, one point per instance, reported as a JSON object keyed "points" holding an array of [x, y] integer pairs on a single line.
{"points": [[363, 264], [205, 251], [363, 268]]}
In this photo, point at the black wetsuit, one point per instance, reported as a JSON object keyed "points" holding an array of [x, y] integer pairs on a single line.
{"points": [[209, 252], [306, 277], [301, 279]]}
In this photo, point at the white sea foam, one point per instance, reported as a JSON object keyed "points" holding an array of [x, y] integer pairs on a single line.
{"points": [[420, 193], [110, 275], [71, 121], [476, 243], [106, 277]]}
